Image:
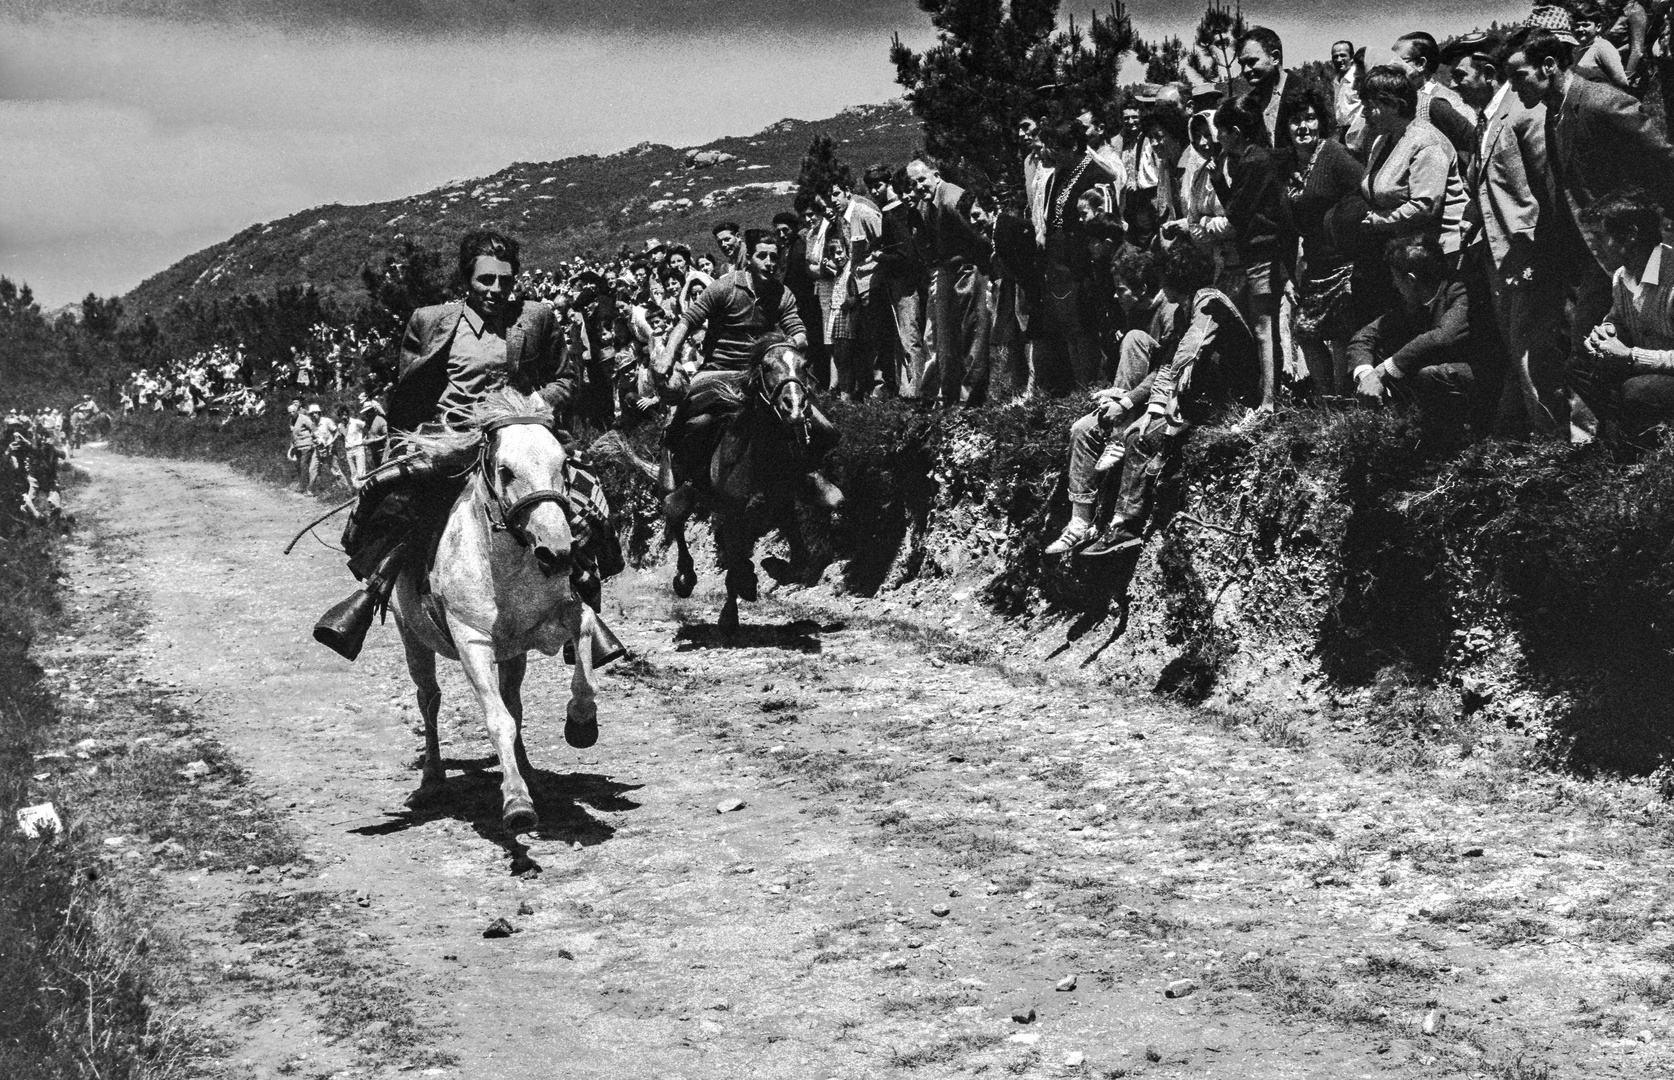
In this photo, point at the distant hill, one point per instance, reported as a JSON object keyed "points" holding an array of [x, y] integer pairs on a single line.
{"points": [[557, 209]]}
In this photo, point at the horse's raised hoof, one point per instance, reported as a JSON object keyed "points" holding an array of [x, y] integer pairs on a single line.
{"points": [[518, 815], [684, 582], [580, 731], [728, 619], [428, 794]]}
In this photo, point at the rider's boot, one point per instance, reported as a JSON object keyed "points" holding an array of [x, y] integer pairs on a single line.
{"points": [[343, 628], [680, 503], [825, 493]]}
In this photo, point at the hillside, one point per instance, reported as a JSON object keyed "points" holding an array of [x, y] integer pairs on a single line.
{"points": [[557, 208]]}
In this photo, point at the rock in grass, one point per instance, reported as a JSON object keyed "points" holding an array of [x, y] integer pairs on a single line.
{"points": [[499, 928], [526, 908], [1073, 1059], [941, 911], [1023, 1014], [727, 806], [1066, 983], [1179, 988]]}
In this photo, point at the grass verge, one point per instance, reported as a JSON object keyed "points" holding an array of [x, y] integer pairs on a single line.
{"points": [[75, 975]]}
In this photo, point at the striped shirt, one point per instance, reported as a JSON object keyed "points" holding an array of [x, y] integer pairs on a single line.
{"points": [[1642, 312]]}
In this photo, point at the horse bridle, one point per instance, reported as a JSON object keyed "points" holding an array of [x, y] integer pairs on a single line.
{"points": [[780, 387], [504, 517]]}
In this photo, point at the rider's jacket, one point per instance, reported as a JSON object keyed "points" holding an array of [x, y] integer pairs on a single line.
{"points": [[533, 356]]}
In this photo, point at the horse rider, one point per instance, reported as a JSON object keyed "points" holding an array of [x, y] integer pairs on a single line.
{"points": [[739, 307], [452, 356]]}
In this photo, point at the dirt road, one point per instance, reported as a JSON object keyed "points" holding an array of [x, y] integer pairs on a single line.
{"points": [[924, 850]]}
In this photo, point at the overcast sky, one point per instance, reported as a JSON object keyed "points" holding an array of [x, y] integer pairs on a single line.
{"points": [[135, 132]]}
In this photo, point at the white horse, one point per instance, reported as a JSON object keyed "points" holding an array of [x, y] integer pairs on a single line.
{"points": [[499, 587]]}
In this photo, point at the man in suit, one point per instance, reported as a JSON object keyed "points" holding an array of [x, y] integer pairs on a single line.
{"points": [[958, 287], [1509, 186], [1598, 140], [452, 356]]}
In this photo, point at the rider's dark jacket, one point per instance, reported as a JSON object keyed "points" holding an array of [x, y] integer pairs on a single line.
{"points": [[534, 353]]}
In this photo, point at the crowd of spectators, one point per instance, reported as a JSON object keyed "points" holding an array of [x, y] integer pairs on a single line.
{"points": [[36, 444], [1472, 230]]}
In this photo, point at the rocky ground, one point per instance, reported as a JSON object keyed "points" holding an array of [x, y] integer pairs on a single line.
{"points": [[824, 847]]}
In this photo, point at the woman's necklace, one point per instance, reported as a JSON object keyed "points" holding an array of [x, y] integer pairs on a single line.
{"points": [[1062, 199]]}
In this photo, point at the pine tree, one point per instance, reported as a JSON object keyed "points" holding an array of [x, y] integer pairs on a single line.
{"points": [[995, 63], [1214, 55], [820, 167], [1164, 60]]}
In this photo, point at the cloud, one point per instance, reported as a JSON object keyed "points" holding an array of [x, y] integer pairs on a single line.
{"points": [[649, 17], [130, 144]]}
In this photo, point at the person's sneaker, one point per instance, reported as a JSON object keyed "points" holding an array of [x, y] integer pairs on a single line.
{"points": [[1112, 456], [1116, 539], [1076, 534]]}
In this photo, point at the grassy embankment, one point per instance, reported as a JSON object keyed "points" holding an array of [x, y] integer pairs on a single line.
{"points": [[1324, 560], [73, 972]]}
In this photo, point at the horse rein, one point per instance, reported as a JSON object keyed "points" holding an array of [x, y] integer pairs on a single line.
{"points": [[504, 517]]}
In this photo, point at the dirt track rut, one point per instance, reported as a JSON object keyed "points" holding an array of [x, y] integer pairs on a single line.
{"points": [[1327, 912]]}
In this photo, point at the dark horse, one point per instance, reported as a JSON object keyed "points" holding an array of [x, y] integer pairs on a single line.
{"points": [[757, 471]]}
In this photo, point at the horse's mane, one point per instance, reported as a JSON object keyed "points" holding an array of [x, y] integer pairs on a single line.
{"points": [[762, 346], [440, 440]]}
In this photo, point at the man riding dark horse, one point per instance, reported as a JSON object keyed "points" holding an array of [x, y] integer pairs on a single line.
{"points": [[452, 356], [738, 309]]}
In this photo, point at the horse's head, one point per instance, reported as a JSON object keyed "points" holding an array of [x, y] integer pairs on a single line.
{"points": [[781, 377], [523, 471]]}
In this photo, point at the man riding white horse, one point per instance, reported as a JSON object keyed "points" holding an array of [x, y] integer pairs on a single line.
{"points": [[740, 307], [452, 356]]}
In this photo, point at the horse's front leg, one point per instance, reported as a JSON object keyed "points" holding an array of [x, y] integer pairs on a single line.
{"points": [[511, 692], [421, 665], [581, 715], [476, 657]]}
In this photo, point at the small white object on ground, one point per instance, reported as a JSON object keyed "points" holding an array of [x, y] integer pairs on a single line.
{"points": [[38, 819]]}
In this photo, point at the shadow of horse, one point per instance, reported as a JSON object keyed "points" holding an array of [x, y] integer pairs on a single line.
{"points": [[796, 636], [562, 801]]}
